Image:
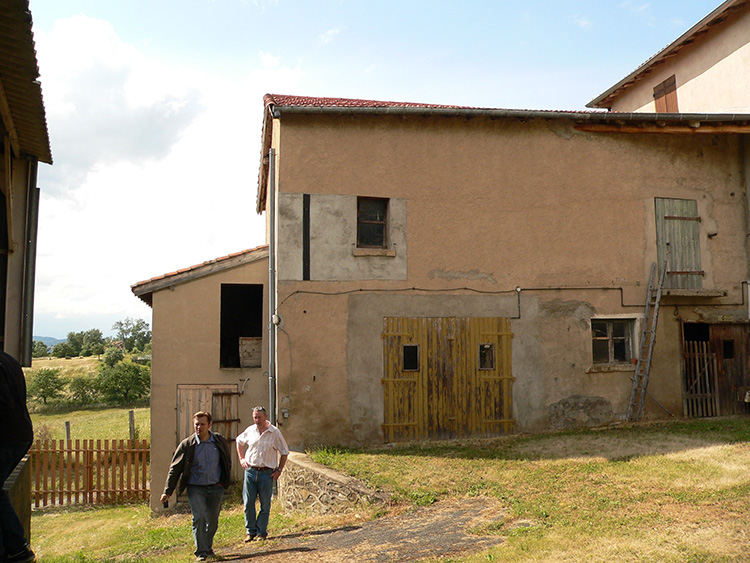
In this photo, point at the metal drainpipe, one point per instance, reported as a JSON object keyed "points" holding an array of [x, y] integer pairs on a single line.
{"points": [[27, 322], [272, 286]]}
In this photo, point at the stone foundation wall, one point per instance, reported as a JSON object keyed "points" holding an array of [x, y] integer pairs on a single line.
{"points": [[307, 485]]}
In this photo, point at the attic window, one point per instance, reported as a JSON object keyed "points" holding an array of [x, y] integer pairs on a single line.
{"points": [[665, 96], [487, 356], [372, 216]]}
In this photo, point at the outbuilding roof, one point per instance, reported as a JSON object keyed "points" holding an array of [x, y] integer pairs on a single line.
{"points": [[718, 16], [21, 105], [144, 290]]}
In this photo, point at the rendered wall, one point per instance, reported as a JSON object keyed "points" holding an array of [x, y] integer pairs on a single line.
{"points": [[185, 350], [711, 74], [492, 205]]}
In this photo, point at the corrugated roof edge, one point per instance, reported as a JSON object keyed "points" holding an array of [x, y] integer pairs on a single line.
{"points": [[145, 289]]}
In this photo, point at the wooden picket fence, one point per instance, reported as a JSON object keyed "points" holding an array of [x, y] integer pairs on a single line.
{"points": [[89, 471]]}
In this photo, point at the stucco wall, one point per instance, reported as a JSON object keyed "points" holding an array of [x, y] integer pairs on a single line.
{"points": [[492, 205], [185, 350], [711, 73]]}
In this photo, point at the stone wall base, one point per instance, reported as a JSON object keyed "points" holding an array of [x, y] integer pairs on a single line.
{"points": [[307, 485]]}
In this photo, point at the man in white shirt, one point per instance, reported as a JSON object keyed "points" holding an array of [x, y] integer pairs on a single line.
{"points": [[262, 451]]}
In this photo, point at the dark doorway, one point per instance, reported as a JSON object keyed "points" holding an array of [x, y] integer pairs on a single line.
{"points": [[716, 378]]}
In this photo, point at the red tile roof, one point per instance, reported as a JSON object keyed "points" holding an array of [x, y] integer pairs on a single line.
{"points": [[311, 101], [145, 288]]}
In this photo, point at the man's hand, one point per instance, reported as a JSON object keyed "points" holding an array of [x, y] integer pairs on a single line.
{"points": [[164, 498], [244, 463], [276, 474]]}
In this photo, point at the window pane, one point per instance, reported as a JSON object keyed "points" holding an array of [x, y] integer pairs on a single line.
{"points": [[621, 349], [599, 329], [411, 357], [371, 234], [372, 209], [486, 356], [619, 329], [601, 351]]}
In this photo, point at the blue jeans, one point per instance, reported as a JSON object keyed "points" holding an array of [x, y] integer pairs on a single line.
{"points": [[12, 539], [205, 504], [258, 484]]}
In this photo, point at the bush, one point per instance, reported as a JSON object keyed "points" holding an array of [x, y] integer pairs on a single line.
{"points": [[83, 390]]}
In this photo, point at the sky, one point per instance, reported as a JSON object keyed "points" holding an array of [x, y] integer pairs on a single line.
{"points": [[154, 109]]}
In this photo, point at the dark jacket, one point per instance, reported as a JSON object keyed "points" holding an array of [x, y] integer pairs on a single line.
{"points": [[13, 402], [182, 460]]}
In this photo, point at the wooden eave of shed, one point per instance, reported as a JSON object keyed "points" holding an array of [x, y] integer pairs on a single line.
{"points": [[24, 120], [717, 17], [144, 290]]}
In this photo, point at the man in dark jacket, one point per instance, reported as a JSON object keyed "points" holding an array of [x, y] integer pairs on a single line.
{"points": [[202, 464], [17, 438]]}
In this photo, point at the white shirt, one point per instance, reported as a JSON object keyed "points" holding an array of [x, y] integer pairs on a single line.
{"points": [[263, 449]]}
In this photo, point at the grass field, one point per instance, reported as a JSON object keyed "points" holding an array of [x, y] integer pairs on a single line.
{"points": [[92, 424], [674, 492]]}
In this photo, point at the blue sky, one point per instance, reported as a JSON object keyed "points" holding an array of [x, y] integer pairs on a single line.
{"points": [[154, 110]]}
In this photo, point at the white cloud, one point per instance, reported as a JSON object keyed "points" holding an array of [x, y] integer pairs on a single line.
{"points": [[155, 170], [330, 35], [583, 22]]}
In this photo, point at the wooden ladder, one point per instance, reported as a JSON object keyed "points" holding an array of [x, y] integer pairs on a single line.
{"points": [[646, 346]]}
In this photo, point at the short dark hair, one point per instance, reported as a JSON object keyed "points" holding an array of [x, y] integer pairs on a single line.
{"points": [[200, 414], [259, 409]]}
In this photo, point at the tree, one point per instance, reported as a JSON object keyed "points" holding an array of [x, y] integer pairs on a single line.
{"points": [[75, 341], [46, 383], [124, 382], [62, 350], [39, 349], [134, 333], [83, 390], [112, 355]]}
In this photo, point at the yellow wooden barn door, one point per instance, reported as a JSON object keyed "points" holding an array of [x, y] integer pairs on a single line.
{"points": [[446, 377]]}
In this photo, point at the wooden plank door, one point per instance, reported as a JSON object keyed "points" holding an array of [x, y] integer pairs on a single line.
{"points": [[678, 242], [730, 344], [446, 377]]}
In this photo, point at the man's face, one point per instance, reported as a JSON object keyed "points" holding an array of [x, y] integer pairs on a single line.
{"points": [[201, 425], [259, 417]]}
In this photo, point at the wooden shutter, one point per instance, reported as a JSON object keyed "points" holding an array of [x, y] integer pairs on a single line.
{"points": [[678, 242], [665, 96]]}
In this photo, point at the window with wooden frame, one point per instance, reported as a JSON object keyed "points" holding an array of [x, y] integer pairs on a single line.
{"points": [[372, 222], [665, 96], [241, 325], [487, 356], [612, 340]]}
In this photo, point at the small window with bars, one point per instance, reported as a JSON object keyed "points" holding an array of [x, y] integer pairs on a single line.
{"points": [[372, 222]]}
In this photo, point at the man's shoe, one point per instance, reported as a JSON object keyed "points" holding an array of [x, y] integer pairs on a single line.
{"points": [[201, 558], [23, 556], [213, 557], [262, 537], [249, 538]]}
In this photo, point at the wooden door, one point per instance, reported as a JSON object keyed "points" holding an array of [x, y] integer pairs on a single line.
{"points": [[222, 401], [730, 344], [446, 377]]}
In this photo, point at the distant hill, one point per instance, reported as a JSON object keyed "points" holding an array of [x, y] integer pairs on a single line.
{"points": [[48, 340]]}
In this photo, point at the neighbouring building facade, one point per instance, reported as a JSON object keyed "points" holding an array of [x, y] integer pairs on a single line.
{"points": [[25, 143], [704, 70]]}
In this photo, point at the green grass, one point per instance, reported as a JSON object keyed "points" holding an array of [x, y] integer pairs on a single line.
{"points": [[92, 424], [670, 492]]}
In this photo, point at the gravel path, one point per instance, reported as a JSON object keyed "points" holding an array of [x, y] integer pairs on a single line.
{"points": [[438, 530]]}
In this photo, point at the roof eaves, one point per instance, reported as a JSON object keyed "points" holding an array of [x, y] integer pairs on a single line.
{"points": [[145, 289]]}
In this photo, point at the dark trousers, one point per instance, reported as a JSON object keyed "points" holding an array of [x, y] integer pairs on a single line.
{"points": [[12, 539], [205, 504]]}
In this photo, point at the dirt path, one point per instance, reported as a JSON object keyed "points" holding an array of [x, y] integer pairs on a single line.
{"points": [[439, 530]]}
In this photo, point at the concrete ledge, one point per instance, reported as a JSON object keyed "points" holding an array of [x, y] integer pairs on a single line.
{"points": [[18, 488], [308, 485]]}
